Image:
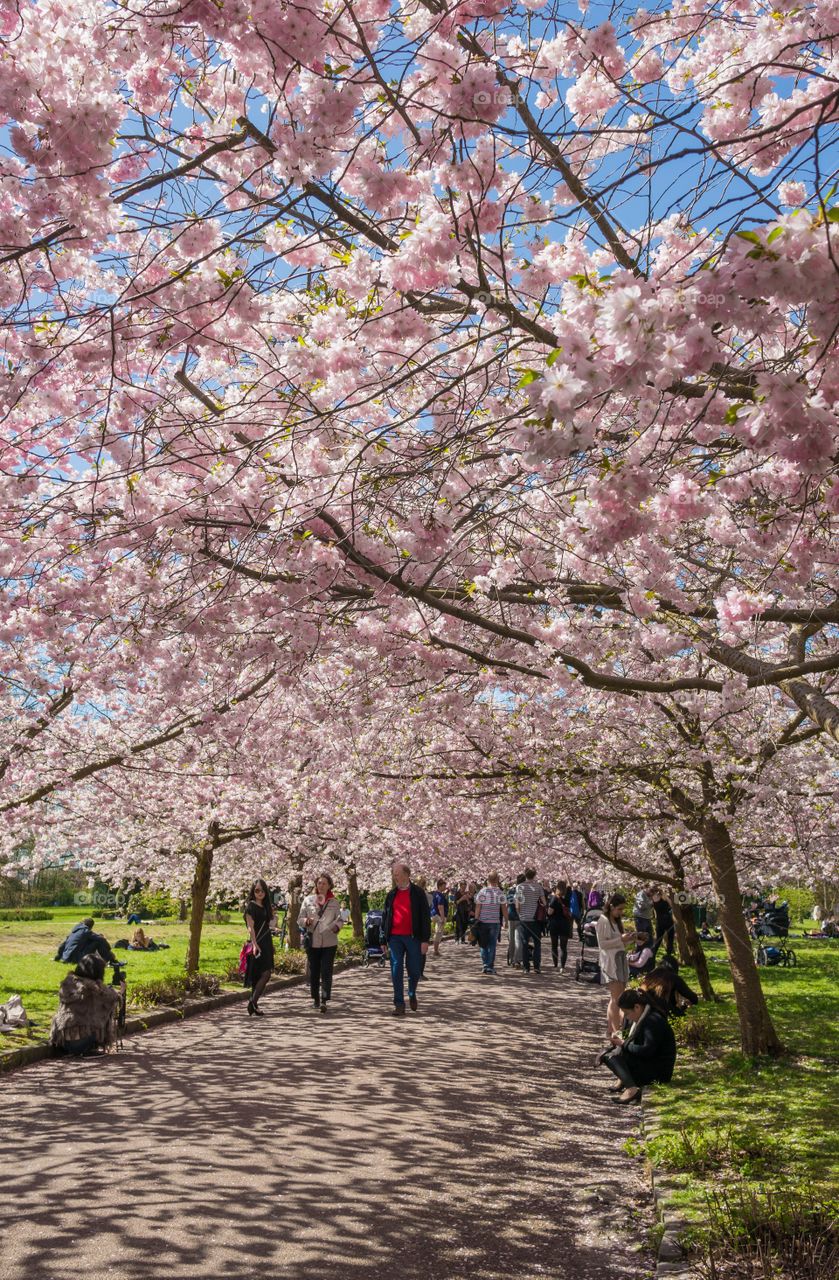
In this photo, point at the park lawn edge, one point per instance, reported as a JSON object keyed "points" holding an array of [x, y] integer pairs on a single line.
{"points": [[731, 1123]]}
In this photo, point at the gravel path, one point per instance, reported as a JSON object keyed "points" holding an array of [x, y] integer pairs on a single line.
{"points": [[471, 1139]]}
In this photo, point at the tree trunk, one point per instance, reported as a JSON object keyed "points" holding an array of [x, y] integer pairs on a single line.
{"points": [[200, 889], [757, 1034], [681, 936], [355, 904], [695, 951], [295, 886], [183, 907]]}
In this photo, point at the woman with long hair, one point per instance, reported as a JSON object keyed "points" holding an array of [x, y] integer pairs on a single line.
{"points": [[320, 916], [614, 967], [666, 985], [259, 917], [560, 923], [648, 1054]]}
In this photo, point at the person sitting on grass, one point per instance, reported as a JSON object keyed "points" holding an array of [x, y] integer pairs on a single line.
{"points": [[86, 1020], [641, 960], [142, 942], [647, 1055], [669, 988], [81, 941]]}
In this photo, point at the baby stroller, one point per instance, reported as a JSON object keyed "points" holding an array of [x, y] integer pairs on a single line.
{"points": [[374, 943], [587, 968], [774, 922]]}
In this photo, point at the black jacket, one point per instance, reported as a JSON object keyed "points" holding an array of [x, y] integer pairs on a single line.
{"points": [[663, 916], [651, 1053], [558, 922], [420, 914], [681, 988]]}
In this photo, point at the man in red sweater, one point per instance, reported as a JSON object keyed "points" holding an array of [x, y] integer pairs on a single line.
{"points": [[406, 925]]}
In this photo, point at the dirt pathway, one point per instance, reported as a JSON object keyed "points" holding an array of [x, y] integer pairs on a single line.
{"points": [[471, 1139]]}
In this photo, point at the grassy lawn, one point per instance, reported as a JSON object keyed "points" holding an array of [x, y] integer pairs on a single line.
{"points": [[758, 1125], [28, 969]]}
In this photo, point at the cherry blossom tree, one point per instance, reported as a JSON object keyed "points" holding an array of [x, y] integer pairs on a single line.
{"points": [[699, 798], [488, 339]]}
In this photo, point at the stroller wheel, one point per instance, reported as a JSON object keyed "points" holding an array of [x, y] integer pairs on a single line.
{"points": [[365, 960], [761, 955]]}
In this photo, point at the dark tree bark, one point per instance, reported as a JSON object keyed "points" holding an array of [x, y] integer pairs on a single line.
{"points": [[355, 904], [295, 890], [681, 936], [200, 889], [757, 1033], [695, 952]]}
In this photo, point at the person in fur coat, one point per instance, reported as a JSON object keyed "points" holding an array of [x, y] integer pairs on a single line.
{"points": [[86, 1020]]}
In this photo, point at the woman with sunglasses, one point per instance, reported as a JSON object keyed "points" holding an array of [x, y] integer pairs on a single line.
{"points": [[259, 918]]}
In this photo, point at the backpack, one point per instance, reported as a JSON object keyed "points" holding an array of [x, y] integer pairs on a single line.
{"points": [[13, 1014]]}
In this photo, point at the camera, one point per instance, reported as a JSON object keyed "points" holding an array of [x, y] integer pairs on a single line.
{"points": [[117, 972]]}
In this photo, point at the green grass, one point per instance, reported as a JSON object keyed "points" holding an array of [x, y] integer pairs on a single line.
{"points": [[28, 969], [728, 1120]]}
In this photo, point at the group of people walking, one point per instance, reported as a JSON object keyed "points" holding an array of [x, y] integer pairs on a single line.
{"points": [[413, 922]]}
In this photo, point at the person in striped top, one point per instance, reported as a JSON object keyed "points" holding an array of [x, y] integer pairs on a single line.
{"points": [[532, 908], [490, 907]]}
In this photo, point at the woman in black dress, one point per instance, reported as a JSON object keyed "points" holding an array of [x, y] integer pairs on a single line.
{"points": [[259, 917]]}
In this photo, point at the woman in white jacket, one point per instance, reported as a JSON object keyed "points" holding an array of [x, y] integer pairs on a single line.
{"points": [[614, 967], [320, 916]]}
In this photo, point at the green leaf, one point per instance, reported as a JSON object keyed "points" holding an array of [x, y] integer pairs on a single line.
{"points": [[529, 375], [553, 357], [751, 236], [773, 235]]}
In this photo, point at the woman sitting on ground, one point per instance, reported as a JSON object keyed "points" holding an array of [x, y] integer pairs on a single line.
{"points": [[648, 1054], [141, 942], [669, 989], [86, 1020]]}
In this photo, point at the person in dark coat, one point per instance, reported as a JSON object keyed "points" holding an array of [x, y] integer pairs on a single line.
{"points": [[648, 1054], [560, 923], [665, 929], [81, 941], [462, 908], [406, 928]]}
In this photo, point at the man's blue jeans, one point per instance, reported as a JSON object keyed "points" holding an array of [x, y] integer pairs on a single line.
{"points": [[489, 934], [404, 952]]}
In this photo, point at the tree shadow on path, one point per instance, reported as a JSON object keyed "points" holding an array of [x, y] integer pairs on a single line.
{"points": [[472, 1139]]}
